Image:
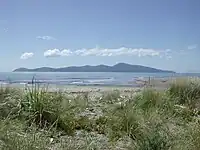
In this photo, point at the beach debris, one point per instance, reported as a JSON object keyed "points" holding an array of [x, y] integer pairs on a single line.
{"points": [[181, 106], [51, 140]]}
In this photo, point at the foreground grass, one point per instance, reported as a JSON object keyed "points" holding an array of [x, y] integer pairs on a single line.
{"points": [[150, 120]]}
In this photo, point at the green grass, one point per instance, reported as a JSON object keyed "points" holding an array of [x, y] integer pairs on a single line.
{"points": [[186, 93], [35, 118], [14, 137]]}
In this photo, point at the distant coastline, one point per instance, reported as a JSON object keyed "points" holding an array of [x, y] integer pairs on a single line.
{"points": [[120, 67]]}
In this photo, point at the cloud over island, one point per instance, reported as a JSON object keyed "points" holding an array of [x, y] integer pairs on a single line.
{"points": [[103, 52], [123, 51]]}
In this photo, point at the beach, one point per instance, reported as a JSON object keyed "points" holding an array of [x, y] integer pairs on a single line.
{"points": [[137, 85]]}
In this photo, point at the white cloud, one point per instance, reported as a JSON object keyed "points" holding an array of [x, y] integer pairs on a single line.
{"points": [[123, 51], [190, 47], [52, 53], [141, 52], [46, 38], [26, 55], [129, 52], [57, 53], [66, 52]]}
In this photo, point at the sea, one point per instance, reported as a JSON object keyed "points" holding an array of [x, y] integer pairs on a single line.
{"points": [[84, 78]]}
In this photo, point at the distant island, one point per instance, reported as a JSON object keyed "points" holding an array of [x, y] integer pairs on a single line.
{"points": [[120, 67]]}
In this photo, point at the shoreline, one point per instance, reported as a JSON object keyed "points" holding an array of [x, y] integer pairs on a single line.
{"points": [[156, 83]]}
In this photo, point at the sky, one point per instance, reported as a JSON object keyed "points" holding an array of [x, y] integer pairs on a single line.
{"points": [[57, 33]]}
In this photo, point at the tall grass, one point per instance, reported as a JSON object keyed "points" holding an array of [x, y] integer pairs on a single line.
{"points": [[139, 120], [186, 92], [9, 102], [154, 119]]}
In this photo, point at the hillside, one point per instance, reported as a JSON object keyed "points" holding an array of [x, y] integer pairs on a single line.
{"points": [[120, 67]]}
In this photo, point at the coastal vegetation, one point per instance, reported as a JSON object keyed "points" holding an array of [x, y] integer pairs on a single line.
{"points": [[36, 119]]}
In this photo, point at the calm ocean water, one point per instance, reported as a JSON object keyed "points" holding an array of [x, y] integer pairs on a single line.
{"points": [[82, 78]]}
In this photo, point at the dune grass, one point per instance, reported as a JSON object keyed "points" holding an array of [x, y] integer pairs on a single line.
{"points": [[151, 120]]}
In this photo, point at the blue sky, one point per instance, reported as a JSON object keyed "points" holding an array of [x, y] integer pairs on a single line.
{"points": [[162, 34]]}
